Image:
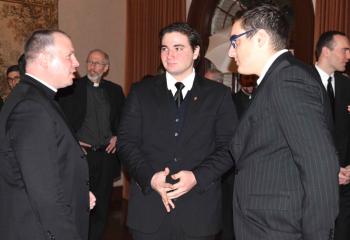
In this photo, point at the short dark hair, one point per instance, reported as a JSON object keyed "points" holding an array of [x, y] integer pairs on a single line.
{"points": [[271, 19], [22, 64], [13, 68], [326, 40], [193, 36], [38, 41]]}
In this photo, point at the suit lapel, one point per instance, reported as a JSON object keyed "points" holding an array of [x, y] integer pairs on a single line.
{"points": [[276, 65], [255, 105]]}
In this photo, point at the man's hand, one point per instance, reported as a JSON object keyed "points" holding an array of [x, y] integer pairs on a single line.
{"points": [[159, 184], [92, 200], [344, 175], [186, 182], [112, 146], [83, 146]]}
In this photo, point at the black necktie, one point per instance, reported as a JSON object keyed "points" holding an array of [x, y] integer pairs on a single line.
{"points": [[178, 95], [331, 94]]}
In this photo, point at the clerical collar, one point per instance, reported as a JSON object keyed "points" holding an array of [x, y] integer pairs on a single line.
{"points": [[94, 84], [43, 82]]}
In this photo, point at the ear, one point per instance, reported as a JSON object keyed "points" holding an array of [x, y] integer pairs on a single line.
{"points": [[325, 51], [196, 53], [105, 69], [262, 38]]}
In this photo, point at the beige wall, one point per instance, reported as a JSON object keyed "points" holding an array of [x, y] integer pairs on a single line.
{"points": [[96, 24]]}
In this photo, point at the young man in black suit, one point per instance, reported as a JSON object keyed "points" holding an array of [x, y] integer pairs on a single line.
{"points": [[93, 106], [43, 176], [173, 140], [332, 54], [286, 183]]}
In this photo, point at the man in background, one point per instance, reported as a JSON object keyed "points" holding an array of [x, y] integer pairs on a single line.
{"points": [[215, 75], [332, 54], [13, 76], [92, 106], [43, 176], [286, 182], [243, 97]]}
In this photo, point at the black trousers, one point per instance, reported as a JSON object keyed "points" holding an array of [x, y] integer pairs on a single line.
{"points": [[169, 230], [342, 224], [101, 172]]}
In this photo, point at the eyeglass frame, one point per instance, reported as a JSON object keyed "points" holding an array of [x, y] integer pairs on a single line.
{"points": [[97, 63], [234, 38]]}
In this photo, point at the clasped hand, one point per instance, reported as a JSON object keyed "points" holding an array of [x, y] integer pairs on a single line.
{"points": [[167, 191], [344, 175]]}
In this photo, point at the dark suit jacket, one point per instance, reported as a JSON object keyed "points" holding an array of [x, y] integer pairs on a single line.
{"points": [[342, 118], [43, 175], [73, 102], [147, 144], [242, 102], [286, 185]]}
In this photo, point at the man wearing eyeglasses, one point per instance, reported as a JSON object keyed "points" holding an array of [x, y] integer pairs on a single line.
{"points": [[13, 76], [286, 185], [93, 106]]}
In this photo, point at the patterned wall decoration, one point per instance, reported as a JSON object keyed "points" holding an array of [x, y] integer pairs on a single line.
{"points": [[18, 19]]}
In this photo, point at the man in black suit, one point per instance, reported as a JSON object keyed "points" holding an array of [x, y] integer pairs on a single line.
{"points": [[43, 176], [332, 54], [173, 139], [244, 95], [286, 183], [92, 106]]}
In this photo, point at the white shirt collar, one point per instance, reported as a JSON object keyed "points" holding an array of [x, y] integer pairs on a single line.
{"points": [[324, 77], [188, 82], [268, 65], [42, 82]]}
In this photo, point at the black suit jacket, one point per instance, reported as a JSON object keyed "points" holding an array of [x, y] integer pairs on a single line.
{"points": [[286, 185], [73, 102], [43, 175], [341, 123], [147, 144], [342, 118]]}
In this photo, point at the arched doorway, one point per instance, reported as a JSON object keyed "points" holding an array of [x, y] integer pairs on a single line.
{"points": [[207, 16]]}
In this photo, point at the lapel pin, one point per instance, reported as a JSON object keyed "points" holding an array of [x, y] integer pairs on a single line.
{"points": [[195, 98]]}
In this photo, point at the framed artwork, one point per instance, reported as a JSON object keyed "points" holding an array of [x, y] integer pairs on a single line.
{"points": [[18, 19]]}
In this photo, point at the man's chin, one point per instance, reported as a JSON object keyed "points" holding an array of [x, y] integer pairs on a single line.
{"points": [[94, 78]]}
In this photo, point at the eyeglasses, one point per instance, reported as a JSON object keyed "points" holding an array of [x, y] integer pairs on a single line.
{"points": [[233, 38], [13, 78], [98, 64]]}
